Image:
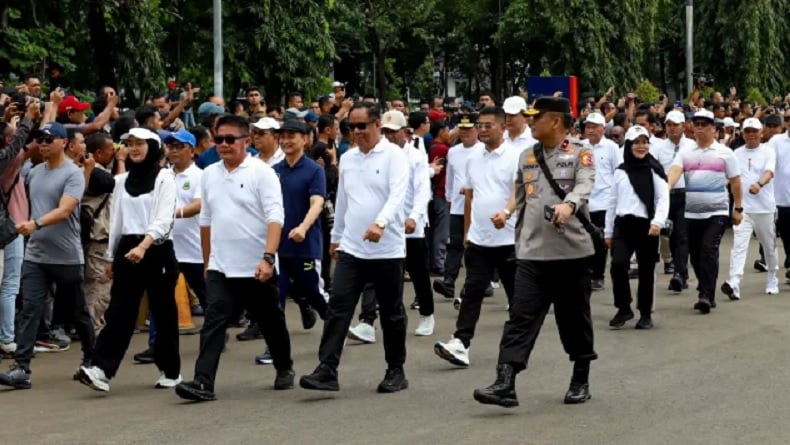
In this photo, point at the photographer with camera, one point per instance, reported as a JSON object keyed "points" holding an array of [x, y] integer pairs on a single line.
{"points": [[638, 206]]}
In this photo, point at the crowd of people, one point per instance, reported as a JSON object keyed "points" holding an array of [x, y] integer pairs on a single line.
{"points": [[341, 200]]}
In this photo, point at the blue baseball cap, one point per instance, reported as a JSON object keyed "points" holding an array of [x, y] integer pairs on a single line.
{"points": [[54, 129], [183, 136], [311, 117], [207, 108]]}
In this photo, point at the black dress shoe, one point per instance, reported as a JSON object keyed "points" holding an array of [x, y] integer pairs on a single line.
{"points": [[394, 381], [18, 377], [324, 378], [678, 283], [503, 391], [253, 332], [619, 319], [284, 379], [195, 391], [577, 393], [146, 357], [703, 305], [645, 322], [444, 289]]}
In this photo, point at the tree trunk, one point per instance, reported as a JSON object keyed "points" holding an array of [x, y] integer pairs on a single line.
{"points": [[102, 44]]}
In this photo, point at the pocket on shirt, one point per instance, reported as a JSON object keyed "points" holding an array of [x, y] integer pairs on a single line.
{"points": [[530, 179]]}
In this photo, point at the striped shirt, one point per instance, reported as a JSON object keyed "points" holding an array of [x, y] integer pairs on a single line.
{"points": [[707, 172]]}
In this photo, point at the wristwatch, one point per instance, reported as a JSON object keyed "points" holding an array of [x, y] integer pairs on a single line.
{"points": [[38, 223], [738, 209], [573, 206], [269, 258], [507, 213], [381, 223]]}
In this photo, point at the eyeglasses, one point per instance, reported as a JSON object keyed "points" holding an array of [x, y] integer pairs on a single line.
{"points": [[177, 146], [358, 125], [48, 140], [228, 138], [702, 124], [485, 126]]}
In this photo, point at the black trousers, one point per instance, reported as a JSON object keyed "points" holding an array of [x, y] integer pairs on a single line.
{"points": [[481, 262], [156, 275], [630, 235], [193, 275], [783, 227], [326, 259], [678, 240], [704, 239], [539, 284], [351, 276], [262, 303], [37, 280], [455, 251], [417, 265], [301, 279], [598, 261]]}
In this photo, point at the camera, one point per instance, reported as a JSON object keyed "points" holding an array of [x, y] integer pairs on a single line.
{"points": [[702, 80]]}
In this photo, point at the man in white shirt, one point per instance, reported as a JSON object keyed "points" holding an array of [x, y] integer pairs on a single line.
{"points": [[608, 157], [518, 133], [264, 139], [369, 244], [757, 163], [457, 159], [708, 169], [781, 145], [488, 187], [241, 218], [665, 152]]}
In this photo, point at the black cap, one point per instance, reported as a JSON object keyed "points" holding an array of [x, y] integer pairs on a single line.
{"points": [[293, 125], [773, 119], [549, 103]]}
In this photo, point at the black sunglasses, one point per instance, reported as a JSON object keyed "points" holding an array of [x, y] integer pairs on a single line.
{"points": [[48, 140], [358, 125], [228, 138]]}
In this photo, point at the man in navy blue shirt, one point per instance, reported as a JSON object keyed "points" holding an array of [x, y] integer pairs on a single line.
{"points": [[304, 190]]}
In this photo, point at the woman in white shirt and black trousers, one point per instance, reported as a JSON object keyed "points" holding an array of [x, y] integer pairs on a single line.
{"points": [[638, 209], [143, 260]]}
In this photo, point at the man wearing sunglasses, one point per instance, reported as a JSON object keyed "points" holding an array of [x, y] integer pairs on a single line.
{"points": [[707, 169], [369, 245], [781, 144], [54, 252]]}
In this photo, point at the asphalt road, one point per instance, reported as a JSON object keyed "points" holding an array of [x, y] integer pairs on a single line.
{"points": [[716, 379]]}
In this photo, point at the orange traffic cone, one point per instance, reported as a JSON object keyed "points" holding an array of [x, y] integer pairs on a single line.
{"points": [[142, 315], [185, 322]]}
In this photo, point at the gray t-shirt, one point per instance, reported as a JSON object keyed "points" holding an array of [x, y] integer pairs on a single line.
{"points": [[59, 243]]}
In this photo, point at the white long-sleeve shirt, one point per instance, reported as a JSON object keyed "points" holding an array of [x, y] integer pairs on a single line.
{"points": [[608, 157], [372, 187], [239, 206], [418, 193], [147, 214], [781, 181], [624, 201], [457, 158]]}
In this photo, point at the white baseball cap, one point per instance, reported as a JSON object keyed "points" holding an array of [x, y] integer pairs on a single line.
{"points": [[337, 84], [394, 120], [595, 118], [704, 114], [676, 117], [729, 123], [266, 123], [635, 132], [754, 123], [514, 105], [142, 133]]}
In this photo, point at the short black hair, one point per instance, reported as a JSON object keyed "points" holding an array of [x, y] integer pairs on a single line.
{"points": [[159, 96], [369, 96], [122, 126], [497, 112], [200, 133], [323, 100], [293, 94], [326, 121], [232, 120], [96, 141], [487, 93], [373, 110], [252, 88], [344, 130], [142, 114], [437, 127], [31, 76], [417, 118], [651, 118]]}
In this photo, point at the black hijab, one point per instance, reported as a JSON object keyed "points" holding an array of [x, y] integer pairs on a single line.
{"points": [[142, 175], [640, 173]]}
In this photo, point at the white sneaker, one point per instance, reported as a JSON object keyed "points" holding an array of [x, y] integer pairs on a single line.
{"points": [[8, 348], [363, 332], [495, 284], [165, 382], [426, 326], [453, 351], [772, 284], [94, 377]]}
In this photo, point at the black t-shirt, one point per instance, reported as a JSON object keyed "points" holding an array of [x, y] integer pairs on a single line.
{"points": [[320, 150]]}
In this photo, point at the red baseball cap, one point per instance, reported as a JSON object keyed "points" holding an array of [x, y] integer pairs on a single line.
{"points": [[71, 103]]}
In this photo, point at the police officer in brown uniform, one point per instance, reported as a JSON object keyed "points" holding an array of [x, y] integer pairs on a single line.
{"points": [[553, 251]]}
